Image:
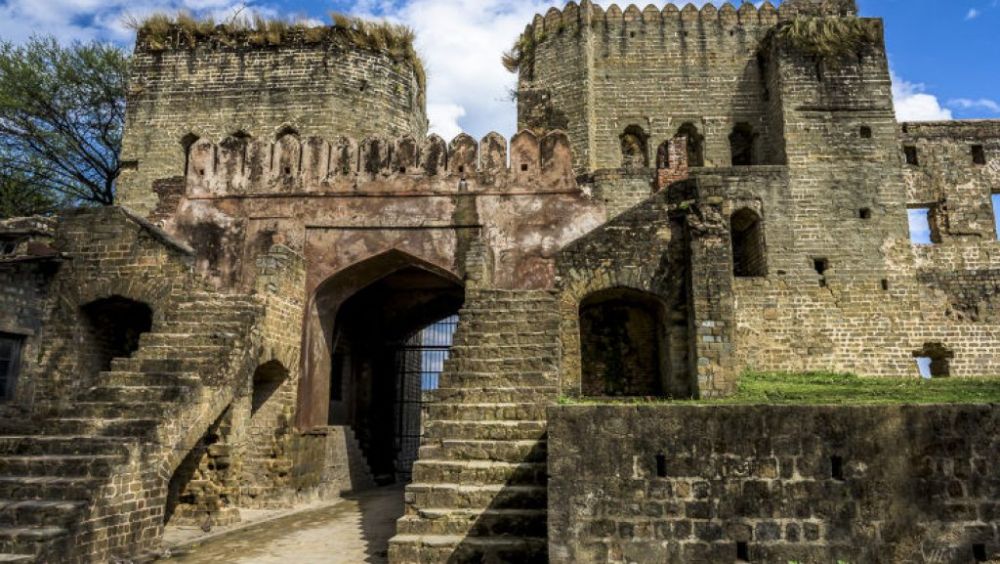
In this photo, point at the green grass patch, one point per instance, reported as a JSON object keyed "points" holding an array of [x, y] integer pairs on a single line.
{"points": [[834, 389]]}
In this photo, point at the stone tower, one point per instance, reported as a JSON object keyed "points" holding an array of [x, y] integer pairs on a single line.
{"points": [[604, 74], [310, 83]]}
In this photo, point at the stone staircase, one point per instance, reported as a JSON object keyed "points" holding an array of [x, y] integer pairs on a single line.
{"points": [[63, 497], [479, 486]]}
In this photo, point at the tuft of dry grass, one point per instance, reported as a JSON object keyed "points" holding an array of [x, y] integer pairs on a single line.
{"points": [[522, 55], [161, 31], [829, 37]]}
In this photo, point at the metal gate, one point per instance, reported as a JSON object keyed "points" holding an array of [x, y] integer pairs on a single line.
{"points": [[418, 362]]}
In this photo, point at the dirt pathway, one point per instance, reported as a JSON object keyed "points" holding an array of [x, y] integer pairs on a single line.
{"points": [[356, 530]]}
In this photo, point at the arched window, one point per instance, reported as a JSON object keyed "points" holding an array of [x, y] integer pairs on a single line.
{"points": [[621, 331], [741, 142], [634, 154], [749, 259], [695, 144], [187, 142], [663, 155]]}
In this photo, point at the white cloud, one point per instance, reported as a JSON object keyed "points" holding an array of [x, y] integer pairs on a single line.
{"points": [[980, 104], [71, 20], [461, 42], [972, 14], [913, 103]]}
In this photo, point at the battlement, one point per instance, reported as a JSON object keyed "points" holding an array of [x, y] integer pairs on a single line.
{"points": [[238, 166], [587, 14]]}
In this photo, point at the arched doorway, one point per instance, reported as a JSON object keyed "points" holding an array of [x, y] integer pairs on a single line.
{"points": [[385, 326], [622, 333]]}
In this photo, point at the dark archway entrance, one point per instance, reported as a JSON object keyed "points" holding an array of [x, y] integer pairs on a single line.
{"points": [[621, 336], [379, 348], [113, 326]]}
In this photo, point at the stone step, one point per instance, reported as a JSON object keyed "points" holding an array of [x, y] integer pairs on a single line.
{"points": [[32, 513], [495, 496], [200, 316], [141, 379], [486, 351], [485, 430], [199, 327], [186, 340], [498, 451], [480, 472], [490, 324], [65, 465], [205, 354], [475, 522], [180, 365], [27, 445], [47, 487], [520, 338], [130, 427], [17, 558], [137, 394], [478, 379], [486, 411], [413, 549], [30, 540], [541, 395], [501, 366], [108, 409]]}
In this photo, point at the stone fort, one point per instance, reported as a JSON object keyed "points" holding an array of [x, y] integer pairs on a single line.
{"points": [[265, 316]]}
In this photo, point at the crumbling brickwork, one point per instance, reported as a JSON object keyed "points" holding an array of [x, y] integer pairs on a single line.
{"points": [[692, 195], [772, 483]]}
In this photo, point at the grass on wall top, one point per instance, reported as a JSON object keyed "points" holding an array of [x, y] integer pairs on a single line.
{"points": [[829, 37], [840, 389], [161, 32]]}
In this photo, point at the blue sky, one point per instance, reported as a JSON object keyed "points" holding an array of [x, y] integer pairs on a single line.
{"points": [[945, 56]]}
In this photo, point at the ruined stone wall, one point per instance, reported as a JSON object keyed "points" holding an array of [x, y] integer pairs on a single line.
{"points": [[27, 266], [789, 483], [594, 72], [110, 253], [178, 95], [647, 250], [956, 174]]}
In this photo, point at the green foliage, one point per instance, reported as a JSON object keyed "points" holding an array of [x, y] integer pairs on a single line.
{"points": [[62, 112], [160, 32], [843, 389], [20, 197], [829, 37]]}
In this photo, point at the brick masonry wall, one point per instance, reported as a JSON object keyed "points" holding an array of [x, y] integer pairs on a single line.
{"points": [[322, 90], [915, 483], [651, 68], [110, 254]]}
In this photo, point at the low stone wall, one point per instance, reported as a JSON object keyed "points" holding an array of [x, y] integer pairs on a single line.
{"points": [[673, 483]]}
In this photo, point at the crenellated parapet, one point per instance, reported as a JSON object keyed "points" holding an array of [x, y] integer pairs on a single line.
{"points": [[238, 166], [672, 18]]}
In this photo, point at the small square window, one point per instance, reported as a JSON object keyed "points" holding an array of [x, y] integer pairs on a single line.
{"points": [[10, 359], [911, 155], [821, 265], [865, 213], [978, 155], [866, 132]]}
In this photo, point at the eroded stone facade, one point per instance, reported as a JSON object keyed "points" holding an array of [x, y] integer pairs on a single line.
{"points": [[689, 198]]}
